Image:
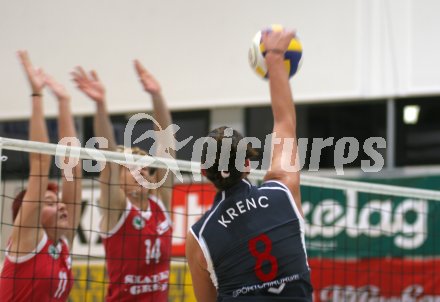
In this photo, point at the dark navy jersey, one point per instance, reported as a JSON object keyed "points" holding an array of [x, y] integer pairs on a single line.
{"points": [[253, 242]]}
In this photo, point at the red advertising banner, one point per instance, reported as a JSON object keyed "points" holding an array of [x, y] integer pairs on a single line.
{"points": [[376, 280], [188, 205]]}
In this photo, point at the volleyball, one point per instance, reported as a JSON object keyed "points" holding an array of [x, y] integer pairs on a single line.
{"points": [[257, 52]]}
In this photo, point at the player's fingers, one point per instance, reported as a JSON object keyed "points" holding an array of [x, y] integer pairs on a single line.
{"points": [[76, 77], [94, 75], [82, 72], [140, 68], [25, 61], [290, 33], [41, 73]]}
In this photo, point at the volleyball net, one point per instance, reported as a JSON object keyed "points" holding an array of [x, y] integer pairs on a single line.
{"points": [[365, 241]]}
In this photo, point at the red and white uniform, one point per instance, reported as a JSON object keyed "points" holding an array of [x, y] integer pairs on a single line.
{"points": [[43, 275], [138, 252]]}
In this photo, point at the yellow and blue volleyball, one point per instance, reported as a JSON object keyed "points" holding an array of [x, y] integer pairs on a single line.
{"points": [[257, 52]]}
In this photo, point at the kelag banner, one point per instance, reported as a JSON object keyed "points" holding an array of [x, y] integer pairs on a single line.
{"points": [[340, 224], [351, 224], [376, 280]]}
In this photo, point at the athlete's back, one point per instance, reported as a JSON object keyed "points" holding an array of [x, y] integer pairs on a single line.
{"points": [[254, 237]]}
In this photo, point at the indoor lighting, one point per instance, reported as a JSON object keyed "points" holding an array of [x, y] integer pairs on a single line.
{"points": [[411, 114]]}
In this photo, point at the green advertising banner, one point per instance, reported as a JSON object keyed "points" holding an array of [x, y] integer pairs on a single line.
{"points": [[351, 224]]}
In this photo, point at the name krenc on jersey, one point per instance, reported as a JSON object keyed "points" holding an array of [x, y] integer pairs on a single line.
{"points": [[241, 207]]}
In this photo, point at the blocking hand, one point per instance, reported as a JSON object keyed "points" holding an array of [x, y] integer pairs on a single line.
{"points": [[150, 84], [36, 76], [89, 84]]}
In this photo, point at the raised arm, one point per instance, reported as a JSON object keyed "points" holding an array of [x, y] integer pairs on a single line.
{"points": [[112, 201], [27, 231], [163, 116], [283, 109], [71, 190]]}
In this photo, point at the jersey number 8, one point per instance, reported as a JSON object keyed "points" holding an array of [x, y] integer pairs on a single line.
{"points": [[263, 256]]}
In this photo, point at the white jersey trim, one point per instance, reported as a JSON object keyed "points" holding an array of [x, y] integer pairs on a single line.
{"points": [[210, 265], [21, 259], [247, 182], [207, 255], [289, 194], [295, 209], [162, 207], [204, 246], [66, 242], [120, 222], [212, 213], [69, 257]]}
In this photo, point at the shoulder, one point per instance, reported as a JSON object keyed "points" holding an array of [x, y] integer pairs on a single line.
{"points": [[273, 185], [129, 211], [156, 204], [279, 189], [21, 258], [65, 243], [197, 227]]}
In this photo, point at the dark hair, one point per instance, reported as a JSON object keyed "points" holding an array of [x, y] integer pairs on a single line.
{"points": [[18, 200], [214, 173]]}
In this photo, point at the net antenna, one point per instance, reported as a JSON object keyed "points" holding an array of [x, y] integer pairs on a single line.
{"points": [[194, 167]]}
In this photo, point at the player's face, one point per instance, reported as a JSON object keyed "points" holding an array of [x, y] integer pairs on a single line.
{"points": [[53, 213], [133, 186]]}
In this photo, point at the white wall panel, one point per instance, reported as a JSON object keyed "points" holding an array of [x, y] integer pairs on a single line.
{"points": [[197, 49], [353, 49], [424, 72]]}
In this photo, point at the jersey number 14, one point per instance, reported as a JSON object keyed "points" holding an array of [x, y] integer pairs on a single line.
{"points": [[152, 251]]}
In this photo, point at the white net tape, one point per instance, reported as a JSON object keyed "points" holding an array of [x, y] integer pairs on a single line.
{"points": [[194, 167]]}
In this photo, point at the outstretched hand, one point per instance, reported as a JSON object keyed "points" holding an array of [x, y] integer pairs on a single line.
{"points": [[36, 76], [277, 41], [57, 89], [150, 84], [89, 84]]}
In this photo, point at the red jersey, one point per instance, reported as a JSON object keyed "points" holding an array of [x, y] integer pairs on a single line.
{"points": [[138, 253], [43, 275]]}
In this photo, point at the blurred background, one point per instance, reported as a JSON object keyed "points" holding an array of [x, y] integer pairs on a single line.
{"points": [[370, 69]]}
